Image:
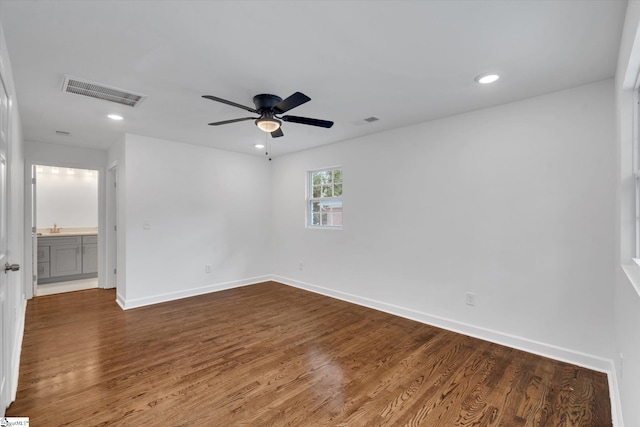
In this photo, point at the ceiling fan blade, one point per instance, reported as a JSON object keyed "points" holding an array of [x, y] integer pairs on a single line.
{"points": [[224, 122], [277, 133], [291, 102], [307, 121], [233, 104]]}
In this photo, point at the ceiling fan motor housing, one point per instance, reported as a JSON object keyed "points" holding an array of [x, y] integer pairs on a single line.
{"points": [[265, 102]]}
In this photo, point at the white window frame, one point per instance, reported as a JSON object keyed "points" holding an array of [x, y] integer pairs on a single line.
{"points": [[310, 199], [636, 169]]}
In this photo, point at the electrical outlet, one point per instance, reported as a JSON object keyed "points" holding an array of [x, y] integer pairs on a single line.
{"points": [[470, 298], [146, 224], [207, 268]]}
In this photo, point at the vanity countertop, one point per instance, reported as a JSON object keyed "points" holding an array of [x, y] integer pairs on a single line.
{"points": [[66, 232]]}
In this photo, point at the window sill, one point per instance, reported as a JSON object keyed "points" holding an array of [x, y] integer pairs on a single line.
{"points": [[632, 272], [313, 227]]}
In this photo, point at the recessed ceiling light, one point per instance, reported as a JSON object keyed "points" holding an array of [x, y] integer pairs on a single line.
{"points": [[258, 146], [115, 117], [485, 79]]}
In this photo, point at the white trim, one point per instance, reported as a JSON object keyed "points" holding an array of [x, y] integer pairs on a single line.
{"points": [[17, 351], [633, 275], [585, 360], [127, 304], [324, 169], [120, 301], [614, 395], [325, 227], [636, 165]]}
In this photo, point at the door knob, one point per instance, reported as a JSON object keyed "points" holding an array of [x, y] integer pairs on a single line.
{"points": [[11, 267]]}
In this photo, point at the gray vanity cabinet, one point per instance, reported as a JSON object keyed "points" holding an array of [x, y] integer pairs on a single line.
{"points": [[89, 254], [67, 258]]}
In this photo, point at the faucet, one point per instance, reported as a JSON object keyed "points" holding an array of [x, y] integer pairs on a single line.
{"points": [[55, 229]]}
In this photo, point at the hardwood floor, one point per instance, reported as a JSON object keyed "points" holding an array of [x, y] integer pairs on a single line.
{"points": [[272, 355]]}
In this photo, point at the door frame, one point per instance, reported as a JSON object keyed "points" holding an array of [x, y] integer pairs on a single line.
{"points": [[30, 263], [5, 336], [111, 235]]}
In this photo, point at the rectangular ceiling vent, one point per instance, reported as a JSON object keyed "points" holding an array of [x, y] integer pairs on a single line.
{"points": [[100, 91]]}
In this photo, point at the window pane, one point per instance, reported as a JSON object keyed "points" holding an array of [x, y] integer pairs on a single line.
{"points": [[335, 219], [330, 206], [325, 177], [325, 184]]}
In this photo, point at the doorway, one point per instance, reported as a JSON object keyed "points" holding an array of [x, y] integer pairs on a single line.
{"points": [[65, 218]]}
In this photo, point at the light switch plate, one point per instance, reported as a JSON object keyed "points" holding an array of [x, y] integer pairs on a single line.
{"points": [[146, 224]]}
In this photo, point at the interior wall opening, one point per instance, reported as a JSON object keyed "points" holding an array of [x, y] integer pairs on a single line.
{"points": [[65, 219]]}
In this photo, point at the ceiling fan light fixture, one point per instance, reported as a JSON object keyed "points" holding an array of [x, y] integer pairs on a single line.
{"points": [[268, 124]]}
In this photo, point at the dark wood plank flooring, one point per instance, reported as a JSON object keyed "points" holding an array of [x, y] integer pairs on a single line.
{"points": [[272, 355]]}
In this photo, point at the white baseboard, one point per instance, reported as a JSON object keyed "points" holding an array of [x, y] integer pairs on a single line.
{"points": [[120, 300], [127, 304], [616, 406], [592, 362], [17, 351]]}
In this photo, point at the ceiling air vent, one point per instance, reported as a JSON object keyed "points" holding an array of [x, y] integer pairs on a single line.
{"points": [[100, 91], [371, 119]]}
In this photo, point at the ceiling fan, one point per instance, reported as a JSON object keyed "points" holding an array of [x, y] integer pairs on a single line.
{"points": [[270, 108]]}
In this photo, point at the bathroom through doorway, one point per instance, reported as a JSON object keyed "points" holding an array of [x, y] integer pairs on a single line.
{"points": [[66, 222]]}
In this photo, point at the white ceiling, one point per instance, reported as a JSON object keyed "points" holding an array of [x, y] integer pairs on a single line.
{"points": [[405, 62]]}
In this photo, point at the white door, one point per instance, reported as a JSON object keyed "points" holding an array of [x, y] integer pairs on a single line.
{"points": [[5, 347]]}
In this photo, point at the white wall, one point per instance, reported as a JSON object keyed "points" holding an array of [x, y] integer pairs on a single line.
{"points": [[627, 285], [513, 203], [116, 217], [66, 200], [16, 298], [205, 206]]}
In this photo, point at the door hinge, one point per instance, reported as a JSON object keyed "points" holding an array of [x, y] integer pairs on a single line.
{"points": [[35, 278], [115, 228], [33, 229], [33, 180], [115, 271]]}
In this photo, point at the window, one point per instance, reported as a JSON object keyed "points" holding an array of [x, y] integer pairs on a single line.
{"points": [[636, 170], [324, 203]]}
